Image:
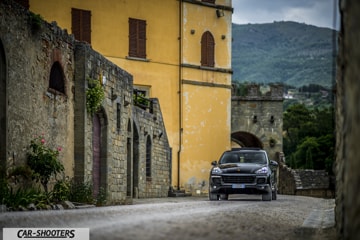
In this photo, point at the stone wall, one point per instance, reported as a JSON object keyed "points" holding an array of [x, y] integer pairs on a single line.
{"points": [[347, 123], [151, 126], [29, 107], [261, 115], [304, 182]]}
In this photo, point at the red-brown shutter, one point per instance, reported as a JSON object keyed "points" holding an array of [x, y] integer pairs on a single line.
{"points": [[132, 37], [210, 50], [75, 23], [81, 24], [207, 50], [142, 38], [86, 26], [137, 38]]}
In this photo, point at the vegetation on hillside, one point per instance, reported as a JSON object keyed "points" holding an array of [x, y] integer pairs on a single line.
{"points": [[283, 52], [309, 137]]}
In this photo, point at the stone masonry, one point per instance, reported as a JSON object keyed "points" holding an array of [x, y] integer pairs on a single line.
{"points": [[259, 116], [347, 210], [132, 139]]}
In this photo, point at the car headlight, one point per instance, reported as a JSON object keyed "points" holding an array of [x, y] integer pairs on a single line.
{"points": [[262, 170], [216, 170]]}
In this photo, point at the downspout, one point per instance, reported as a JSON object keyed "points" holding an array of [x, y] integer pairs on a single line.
{"points": [[180, 93]]}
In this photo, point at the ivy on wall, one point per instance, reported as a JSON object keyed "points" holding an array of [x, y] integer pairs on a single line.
{"points": [[94, 95]]}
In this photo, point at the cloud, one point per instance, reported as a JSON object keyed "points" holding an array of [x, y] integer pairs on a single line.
{"points": [[314, 12]]}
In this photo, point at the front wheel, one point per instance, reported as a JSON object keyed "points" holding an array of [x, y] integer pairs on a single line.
{"points": [[224, 196], [213, 197], [268, 195], [274, 195]]}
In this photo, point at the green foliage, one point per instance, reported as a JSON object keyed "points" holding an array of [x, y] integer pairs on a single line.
{"points": [[101, 197], [23, 197], [61, 191], [81, 193], [140, 99], [94, 96], [43, 161], [240, 89], [35, 21], [309, 140], [284, 52]]}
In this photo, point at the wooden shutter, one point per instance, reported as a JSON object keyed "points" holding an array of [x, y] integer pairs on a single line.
{"points": [[81, 24], [207, 50], [137, 38]]}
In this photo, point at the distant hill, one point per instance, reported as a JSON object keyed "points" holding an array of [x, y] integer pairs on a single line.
{"points": [[291, 53]]}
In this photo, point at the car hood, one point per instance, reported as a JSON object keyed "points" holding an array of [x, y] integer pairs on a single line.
{"points": [[240, 167]]}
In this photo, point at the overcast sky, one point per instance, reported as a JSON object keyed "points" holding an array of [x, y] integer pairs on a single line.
{"points": [[313, 12]]}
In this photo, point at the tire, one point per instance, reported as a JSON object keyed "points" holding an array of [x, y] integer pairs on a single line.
{"points": [[267, 196], [274, 194], [213, 197], [224, 197]]}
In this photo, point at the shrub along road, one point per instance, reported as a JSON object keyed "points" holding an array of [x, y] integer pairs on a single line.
{"points": [[241, 217]]}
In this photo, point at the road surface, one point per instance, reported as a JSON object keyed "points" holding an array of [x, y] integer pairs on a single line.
{"points": [[241, 217]]}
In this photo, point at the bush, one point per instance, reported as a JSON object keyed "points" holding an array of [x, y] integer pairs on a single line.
{"points": [[43, 161], [81, 193]]}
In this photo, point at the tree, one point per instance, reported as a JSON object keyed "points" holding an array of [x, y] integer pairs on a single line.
{"points": [[309, 137]]}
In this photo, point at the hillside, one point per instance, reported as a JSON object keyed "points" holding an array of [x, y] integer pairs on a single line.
{"points": [[283, 52]]}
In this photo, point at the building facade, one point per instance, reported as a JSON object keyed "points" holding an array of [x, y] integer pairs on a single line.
{"points": [[178, 52]]}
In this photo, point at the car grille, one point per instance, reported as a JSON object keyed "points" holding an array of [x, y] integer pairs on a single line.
{"points": [[238, 179]]}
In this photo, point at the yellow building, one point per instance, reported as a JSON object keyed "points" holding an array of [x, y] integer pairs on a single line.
{"points": [[178, 51]]}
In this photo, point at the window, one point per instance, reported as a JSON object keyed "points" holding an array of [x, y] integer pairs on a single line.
{"points": [[81, 24], [208, 1], [137, 38], [207, 49], [57, 78], [118, 117], [148, 158]]}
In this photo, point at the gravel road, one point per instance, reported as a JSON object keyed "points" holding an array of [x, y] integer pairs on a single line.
{"points": [[241, 217]]}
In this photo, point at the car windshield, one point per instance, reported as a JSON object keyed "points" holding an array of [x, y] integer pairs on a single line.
{"points": [[243, 157]]}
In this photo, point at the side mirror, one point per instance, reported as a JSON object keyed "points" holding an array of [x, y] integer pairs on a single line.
{"points": [[274, 163], [214, 163]]}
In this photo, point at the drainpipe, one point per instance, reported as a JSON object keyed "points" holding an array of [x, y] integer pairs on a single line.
{"points": [[180, 91]]}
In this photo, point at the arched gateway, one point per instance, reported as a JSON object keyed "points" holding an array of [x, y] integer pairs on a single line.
{"points": [[257, 119]]}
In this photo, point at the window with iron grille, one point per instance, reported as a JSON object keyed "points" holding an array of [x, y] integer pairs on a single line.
{"points": [[81, 24], [208, 1], [56, 81], [207, 50], [148, 158], [137, 38]]}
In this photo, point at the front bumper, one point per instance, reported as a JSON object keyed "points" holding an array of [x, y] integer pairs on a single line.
{"points": [[239, 184]]}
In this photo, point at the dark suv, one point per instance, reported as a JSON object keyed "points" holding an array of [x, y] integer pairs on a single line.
{"points": [[243, 171]]}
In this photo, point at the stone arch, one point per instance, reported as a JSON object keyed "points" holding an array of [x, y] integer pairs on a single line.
{"points": [[3, 117], [100, 125], [135, 159], [246, 139]]}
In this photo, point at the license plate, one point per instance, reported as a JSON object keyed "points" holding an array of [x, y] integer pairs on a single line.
{"points": [[238, 186]]}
